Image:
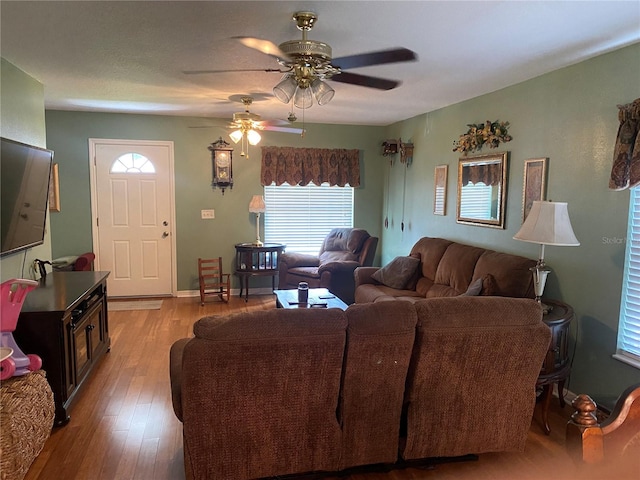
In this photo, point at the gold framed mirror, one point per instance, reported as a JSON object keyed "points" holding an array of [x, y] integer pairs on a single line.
{"points": [[482, 190]]}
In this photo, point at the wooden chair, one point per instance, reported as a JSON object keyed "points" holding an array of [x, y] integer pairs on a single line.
{"points": [[612, 444], [212, 280]]}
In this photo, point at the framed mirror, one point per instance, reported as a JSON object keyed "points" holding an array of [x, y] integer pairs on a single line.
{"points": [[482, 190]]}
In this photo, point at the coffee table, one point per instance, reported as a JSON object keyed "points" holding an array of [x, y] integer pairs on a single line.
{"points": [[318, 298]]}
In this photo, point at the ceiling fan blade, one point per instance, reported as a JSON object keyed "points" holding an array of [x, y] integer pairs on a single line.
{"points": [[264, 46], [375, 58], [283, 129], [200, 72], [365, 81]]}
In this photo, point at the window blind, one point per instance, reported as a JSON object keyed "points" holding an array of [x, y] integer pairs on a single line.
{"points": [[628, 348], [301, 216], [476, 202]]}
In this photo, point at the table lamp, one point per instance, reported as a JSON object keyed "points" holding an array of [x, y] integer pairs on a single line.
{"points": [[547, 224], [257, 206]]}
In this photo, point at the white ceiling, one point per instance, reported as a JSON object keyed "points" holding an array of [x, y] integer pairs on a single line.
{"points": [[114, 56]]}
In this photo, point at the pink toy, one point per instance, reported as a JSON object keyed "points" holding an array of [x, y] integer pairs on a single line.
{"points": [[12, 295]]}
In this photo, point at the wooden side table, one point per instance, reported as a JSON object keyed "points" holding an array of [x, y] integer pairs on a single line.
{"points": [[557, 365], [257, 260]]}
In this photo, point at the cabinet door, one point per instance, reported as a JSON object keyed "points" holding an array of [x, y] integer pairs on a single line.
{"points": [[87, 337]]}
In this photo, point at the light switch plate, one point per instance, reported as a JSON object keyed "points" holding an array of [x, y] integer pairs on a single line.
{"points": [[207, 214]]}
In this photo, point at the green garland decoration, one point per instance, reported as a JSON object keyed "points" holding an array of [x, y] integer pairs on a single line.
{"points": [[488, 133]]}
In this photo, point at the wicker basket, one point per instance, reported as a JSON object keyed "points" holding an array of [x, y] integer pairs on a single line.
{"points": [[26, 419]]}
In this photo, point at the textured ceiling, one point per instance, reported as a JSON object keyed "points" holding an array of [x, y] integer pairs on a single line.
{"points": [[114, 56]]}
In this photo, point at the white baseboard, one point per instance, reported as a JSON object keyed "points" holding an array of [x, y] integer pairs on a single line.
{"points": [[234, 292]]}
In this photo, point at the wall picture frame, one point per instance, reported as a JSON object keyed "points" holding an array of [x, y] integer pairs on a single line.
{"points": [[535, 183], [54, 189], [440, 190]]}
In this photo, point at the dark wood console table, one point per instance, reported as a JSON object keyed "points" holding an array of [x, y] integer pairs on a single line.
{"points": [[257, 260], [557, 364], [65, 322]]}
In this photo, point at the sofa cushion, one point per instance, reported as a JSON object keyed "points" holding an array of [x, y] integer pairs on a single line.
{"points": [[379, 345], [337, 256], [430, 252], [510, 272], [455, 270], [398, 273]]}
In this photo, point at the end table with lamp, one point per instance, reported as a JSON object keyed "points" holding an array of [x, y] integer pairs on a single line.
{"points": [[548, 223], [257, 260]]}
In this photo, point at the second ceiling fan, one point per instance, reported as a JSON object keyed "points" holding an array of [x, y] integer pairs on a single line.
{"points": [[307, 64], [246, 124]]}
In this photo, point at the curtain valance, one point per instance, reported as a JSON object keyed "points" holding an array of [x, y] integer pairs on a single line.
{"points": [[625, 172], [299, 166], [489, 174]]}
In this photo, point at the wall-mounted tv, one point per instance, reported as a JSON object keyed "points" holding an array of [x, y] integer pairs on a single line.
{"points": [[24, 192]]}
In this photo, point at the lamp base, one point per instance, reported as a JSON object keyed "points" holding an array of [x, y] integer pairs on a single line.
{"points": [[257, 243], [545, 308]]}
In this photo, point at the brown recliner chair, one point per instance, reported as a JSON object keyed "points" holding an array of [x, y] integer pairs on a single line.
{"points": [[342, 251]]}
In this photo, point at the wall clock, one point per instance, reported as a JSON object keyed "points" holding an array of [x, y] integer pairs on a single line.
{"points": [[222, 161]]}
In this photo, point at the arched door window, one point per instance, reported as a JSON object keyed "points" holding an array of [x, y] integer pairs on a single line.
{"points": [[132, 163]]}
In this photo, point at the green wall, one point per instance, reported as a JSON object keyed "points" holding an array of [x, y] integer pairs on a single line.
{"points": [[69, 132], [22, 119], [569, 116]]}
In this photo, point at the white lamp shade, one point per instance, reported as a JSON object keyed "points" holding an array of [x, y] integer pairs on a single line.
{"points": [[253, 137], [548, 223], [236, 135], [257, 204]]}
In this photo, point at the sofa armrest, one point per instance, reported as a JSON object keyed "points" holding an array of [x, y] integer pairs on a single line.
{"points": [[346, 266], [294, 259], [363, 275], [175, 375]]}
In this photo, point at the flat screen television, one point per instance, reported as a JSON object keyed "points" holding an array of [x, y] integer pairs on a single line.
{"points": [[24, 193]]}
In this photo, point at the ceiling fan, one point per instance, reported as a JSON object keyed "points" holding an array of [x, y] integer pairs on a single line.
{"points": [[246, 125], [306, 64]]}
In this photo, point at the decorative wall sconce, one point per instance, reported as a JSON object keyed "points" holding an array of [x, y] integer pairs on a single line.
{"points": [[406, 152], [389, 147], [222, 161]]}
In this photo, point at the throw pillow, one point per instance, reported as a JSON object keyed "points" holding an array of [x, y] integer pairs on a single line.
{"points": [[489, 286], [398, 273], [474, 289]]}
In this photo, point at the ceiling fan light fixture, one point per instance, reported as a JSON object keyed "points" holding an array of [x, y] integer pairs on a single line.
{"points": [[236, 136], [322, 91], [253, 137], [285, 89], [303, 98]]}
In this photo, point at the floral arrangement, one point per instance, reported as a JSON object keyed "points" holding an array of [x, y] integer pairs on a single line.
{"points": [[490, 133]]}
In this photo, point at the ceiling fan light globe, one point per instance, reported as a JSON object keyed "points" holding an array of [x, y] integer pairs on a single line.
{"points": [[284, 90], [322, 91], [303, 98], [253, 137], [236, 135]]}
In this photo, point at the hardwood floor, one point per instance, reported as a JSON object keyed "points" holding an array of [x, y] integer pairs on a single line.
{"points": [[123, 427]]}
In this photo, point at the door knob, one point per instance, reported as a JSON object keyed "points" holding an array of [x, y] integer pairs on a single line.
{"points": [[165, 234]]}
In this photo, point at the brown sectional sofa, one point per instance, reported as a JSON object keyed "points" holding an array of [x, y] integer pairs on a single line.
{"points": [[448, 268], [281, 391]]}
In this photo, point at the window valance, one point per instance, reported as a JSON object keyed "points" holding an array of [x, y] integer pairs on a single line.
{"points": [[489, 174], [299, 166], [625, 172]]}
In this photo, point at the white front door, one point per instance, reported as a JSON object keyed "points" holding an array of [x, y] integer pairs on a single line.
{"points": [[132, 195]]}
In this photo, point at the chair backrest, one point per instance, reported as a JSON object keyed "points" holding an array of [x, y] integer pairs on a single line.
{"points": [[209, 268], [351, 244]]}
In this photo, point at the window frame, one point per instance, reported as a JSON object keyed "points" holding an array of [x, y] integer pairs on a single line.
{"points": [[628, 339]]}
